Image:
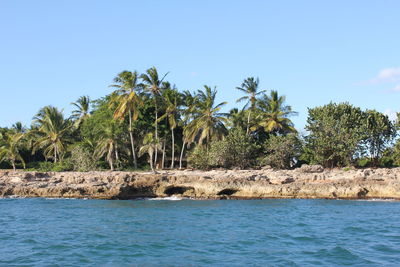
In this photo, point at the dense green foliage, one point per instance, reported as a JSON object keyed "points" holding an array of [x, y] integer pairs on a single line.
{"points": [[236, 150], [335, 134], [282, 152], [341, 134], [146, 122]]}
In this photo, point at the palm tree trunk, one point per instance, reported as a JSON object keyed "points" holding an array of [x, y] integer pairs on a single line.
{"points": [[131, 137], [111, 164], [173, 148], [55, 153], [156, 133], [180, 159], [110, 158], [163, 155], [248, 122], [116, 156], [151, 162], [13, 165]]}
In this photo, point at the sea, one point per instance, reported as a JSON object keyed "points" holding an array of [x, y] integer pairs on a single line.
{"points": [[184, 232]]}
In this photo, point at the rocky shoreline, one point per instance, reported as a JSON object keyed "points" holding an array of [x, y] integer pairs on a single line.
{"points": [[305, 182]]}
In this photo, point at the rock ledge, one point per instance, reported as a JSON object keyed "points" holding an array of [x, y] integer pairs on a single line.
{"points": [[306, 182]]}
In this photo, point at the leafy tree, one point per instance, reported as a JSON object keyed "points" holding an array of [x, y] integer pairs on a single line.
{"points": [[282, 152], [379, 132], [335, 134], [82, 158], [200, 158], [238, 150], [9, 149]]}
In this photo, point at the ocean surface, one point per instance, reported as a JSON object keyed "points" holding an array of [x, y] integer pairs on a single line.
{"points": [[72, 232]]}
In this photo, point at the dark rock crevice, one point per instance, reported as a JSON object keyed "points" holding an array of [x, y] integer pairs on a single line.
{"points": [[176, 190], [227, 192]]}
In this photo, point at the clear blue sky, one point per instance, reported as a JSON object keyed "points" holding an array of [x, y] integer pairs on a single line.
{"points": [[314, 52]]}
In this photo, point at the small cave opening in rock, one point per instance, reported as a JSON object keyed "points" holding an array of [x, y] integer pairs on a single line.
{"points": [[363, 193], [227, 191], [176, 190]]}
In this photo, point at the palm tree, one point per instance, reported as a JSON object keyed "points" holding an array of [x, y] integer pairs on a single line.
{"points": [[208, 121], [82, 111], [52, 131], [128, 101], [153, 84], [236, 118], [18, 127], [273, 114], [189, 101], [250, 87], [9, 150], [107, 145], [150, 145], [172, 100]]}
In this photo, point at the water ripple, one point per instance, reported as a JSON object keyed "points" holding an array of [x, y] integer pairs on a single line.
{"points": [[59, 232]]}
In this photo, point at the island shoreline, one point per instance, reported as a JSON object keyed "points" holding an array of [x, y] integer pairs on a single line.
{"points": [[309, 182]]}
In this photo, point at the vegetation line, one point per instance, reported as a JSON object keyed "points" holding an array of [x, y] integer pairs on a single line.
{"points": [[146, 122]]}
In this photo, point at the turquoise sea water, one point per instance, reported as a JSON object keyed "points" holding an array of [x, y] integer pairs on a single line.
{"points": [[72, 232]]}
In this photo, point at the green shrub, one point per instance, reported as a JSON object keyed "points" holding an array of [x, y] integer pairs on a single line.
{"points": [[237, 150], [364, 162], [335, 134], [47, 166], [82, 159], [199, 158], [386, 162], [240, 150], [282, 152]]}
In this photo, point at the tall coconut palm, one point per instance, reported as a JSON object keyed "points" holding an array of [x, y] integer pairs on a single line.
{"points": [[52, 131], [274, 114], [18, 127], [9, 150], [107, 145], [172, 101], [208, 122], [250, 87], [153, 84], [189, 102], [82, 111], [236, 119], [129, 102], [150, 145]]}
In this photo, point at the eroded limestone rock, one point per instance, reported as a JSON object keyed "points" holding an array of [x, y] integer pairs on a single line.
{"points": [[306, 182]]}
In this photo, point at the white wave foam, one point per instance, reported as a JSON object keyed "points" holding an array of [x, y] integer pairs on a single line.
{"points": [[378, 199], [173, 198]]}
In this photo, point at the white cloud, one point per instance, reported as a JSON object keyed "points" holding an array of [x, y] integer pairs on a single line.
{"points": [[388, 75], [392, 114], [396, 88]]}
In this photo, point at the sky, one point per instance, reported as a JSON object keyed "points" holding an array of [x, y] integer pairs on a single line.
{"points": [[313, 52]]}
